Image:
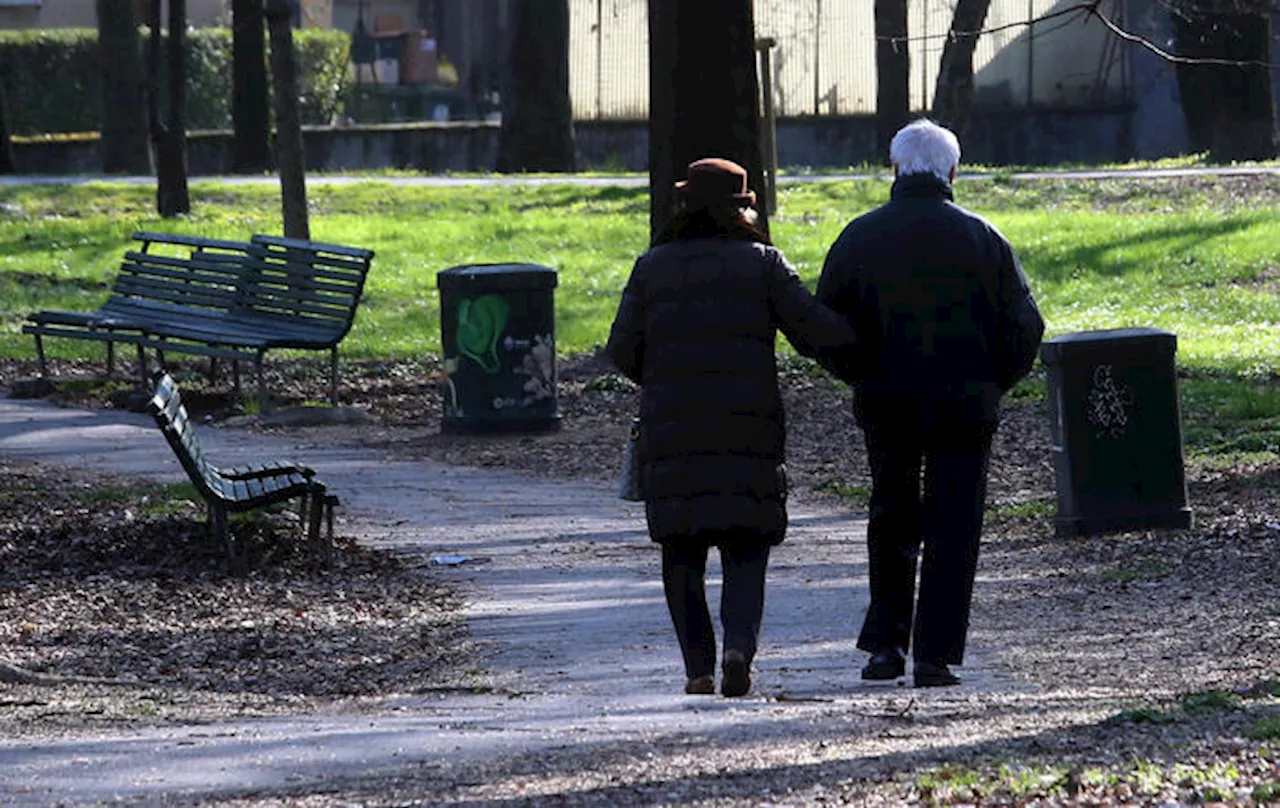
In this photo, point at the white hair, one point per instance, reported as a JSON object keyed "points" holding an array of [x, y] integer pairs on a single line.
{"points": [[924, 147]]}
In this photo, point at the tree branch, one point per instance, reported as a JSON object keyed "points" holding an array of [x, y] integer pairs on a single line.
{"points": [[1090, 8], [1172, 57]]}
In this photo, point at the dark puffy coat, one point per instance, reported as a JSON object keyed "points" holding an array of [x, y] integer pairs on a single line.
{"points": [[944, 317], [697, 329]]}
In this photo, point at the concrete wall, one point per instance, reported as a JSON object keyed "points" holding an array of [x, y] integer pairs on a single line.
{"points": [[84, 14], [997, 137], [994, 138]]}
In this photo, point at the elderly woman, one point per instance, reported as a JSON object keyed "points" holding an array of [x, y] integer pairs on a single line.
{"points": [[697, 329]]}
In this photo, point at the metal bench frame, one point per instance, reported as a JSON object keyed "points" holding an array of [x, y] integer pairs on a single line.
{"points": [[224, 300], [243, 488]]}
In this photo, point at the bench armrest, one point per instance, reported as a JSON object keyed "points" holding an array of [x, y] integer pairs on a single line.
{"points": [[259, 470]]}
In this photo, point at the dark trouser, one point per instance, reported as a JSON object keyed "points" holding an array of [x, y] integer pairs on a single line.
{"points": [[684, 568], [946, 521]]}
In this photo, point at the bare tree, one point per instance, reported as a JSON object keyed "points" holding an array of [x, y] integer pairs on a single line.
{"points": [[250, 107], [290, 155], [893, 72], [703, 94], [124, 102], [537, 114], [170, 137], [953, 94], [1229, 108]]}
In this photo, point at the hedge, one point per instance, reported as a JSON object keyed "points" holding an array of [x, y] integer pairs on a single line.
{"points": [[51, 78]]}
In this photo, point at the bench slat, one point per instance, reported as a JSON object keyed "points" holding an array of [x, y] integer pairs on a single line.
{"points": [[223, 299], [200, 242], [299, 244]]}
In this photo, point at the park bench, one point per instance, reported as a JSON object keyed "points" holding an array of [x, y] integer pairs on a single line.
{"points": [[223, 300], [242, 488], [151, 287]]}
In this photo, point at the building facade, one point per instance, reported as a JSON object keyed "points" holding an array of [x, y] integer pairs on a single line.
{"points": [[21, 14]]}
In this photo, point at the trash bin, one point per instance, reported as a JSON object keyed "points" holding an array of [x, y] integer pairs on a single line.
{"points": [[497, 337], [1116, 428]]}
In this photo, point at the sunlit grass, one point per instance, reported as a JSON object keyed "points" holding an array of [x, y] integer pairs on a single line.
{"points": [[1195, 258]]}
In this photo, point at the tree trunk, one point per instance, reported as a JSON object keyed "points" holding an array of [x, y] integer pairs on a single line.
{"points": [[537, 114], [703, 95], [1229, 110], [289, 148], [124, 103], [250, 107], [7, 165], [172, 196], [953, 94], [893, 73]]}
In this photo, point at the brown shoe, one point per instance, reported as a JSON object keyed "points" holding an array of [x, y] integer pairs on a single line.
{"points": [[700, 686], [735, 674]]}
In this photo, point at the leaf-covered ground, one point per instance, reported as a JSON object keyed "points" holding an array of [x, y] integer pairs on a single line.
{"points": [[1181, 628]]}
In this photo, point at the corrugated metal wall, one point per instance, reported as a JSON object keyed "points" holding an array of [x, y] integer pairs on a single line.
{"points": [[609, 59], [824, 63]]}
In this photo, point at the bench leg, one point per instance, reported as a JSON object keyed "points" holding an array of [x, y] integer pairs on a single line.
{"points": [[235, 379], [262, 384], [315, 511], [330, 500], [333, 375], [304, 511], [142, 367], [111, 358], [221, 530], [40, 360]]}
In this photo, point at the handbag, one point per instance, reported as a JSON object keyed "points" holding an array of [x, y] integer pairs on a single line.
{"points": [[630, 488]]}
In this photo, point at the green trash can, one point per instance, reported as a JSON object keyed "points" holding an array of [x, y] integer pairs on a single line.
{"points": [[497, 337], [1117, 434]]}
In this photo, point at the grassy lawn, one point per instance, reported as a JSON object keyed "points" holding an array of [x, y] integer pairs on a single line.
{"points": [[1196, 257]]}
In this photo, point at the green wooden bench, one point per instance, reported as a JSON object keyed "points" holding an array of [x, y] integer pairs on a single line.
{"points": [[166, 279], [242, 488], [224, 300]]}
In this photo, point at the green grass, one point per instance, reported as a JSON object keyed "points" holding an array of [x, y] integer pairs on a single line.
{"points": [[1210, 701], [154, 500], [1177, 258], [1266, 728], [1027, 509], [1193, 257], [1143, 715], [857, 497], [1266, 793]]}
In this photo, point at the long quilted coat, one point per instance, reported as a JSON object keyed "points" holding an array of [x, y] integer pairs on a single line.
{"points": [[697, 329]]}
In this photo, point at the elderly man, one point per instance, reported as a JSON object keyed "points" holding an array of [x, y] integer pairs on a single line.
{"points": [[946, 324]]}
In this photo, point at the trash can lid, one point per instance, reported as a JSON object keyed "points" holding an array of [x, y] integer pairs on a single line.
{"points": [[1109, 340], [497, 277]]}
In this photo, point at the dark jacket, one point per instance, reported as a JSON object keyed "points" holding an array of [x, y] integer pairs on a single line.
{"points": [[944, 317], [696, 328]]}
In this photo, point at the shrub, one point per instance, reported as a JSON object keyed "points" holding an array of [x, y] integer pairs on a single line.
{"points": [[52, 78]]}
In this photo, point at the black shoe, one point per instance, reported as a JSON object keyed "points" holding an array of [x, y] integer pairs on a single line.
{"points": [[887, 663], [933, 674], [700, 686], [735, 674]]}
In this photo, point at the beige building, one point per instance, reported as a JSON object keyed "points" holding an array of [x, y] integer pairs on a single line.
{"points": [[18, 14], [824, 62]]}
